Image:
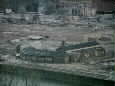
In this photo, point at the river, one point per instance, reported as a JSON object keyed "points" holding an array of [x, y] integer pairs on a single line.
{"points": [[16, 76]]}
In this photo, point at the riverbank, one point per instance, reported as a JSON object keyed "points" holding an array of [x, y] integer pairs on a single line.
{"points": [[19, 76]]}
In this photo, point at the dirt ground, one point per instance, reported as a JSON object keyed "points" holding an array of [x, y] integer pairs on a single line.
{"points": [[68, 33]]}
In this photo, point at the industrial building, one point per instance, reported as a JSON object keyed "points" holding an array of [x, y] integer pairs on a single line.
{"points": [[53, 6]]}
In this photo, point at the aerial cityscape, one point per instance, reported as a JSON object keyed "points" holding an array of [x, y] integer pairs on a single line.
{"points": [[57, 43]]}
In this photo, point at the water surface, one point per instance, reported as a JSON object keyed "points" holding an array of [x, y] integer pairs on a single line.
{"points": [[16, 76]]}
